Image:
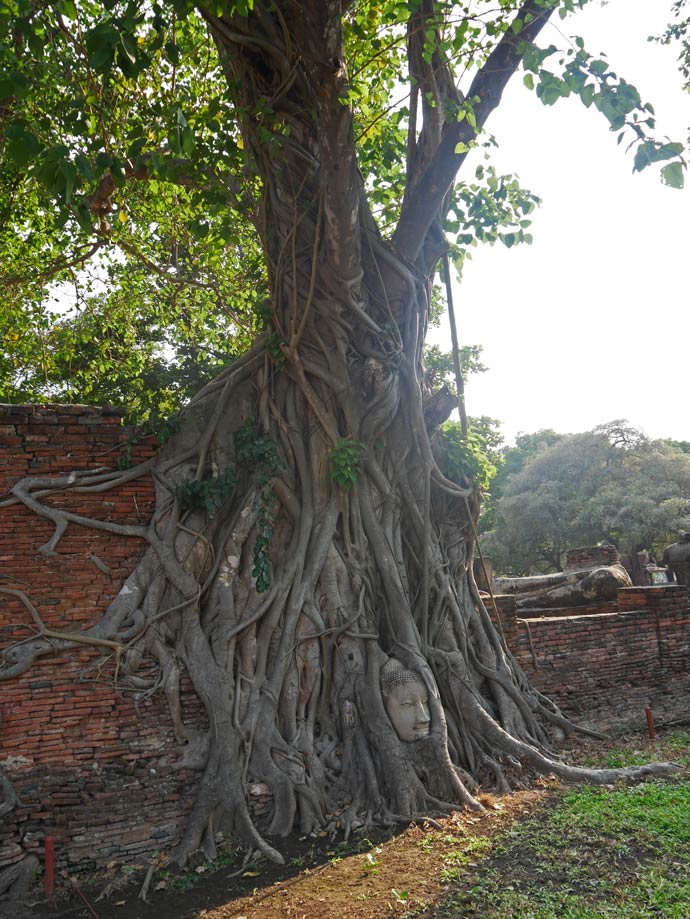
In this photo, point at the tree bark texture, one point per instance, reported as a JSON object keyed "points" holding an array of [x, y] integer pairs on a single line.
{"points": [[284, 599]]}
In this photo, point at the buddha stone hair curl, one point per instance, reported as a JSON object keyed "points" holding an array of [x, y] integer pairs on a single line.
{"points": [[394, 673]]}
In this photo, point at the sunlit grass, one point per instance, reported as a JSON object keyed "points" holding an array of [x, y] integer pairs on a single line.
{"points": [[618, 852]]}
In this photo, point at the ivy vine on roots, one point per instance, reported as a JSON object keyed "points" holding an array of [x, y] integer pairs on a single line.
{"points": [[208, 494], [345, 460], [259, 453]]}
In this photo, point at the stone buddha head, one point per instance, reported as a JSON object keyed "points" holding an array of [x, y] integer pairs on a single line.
{"points": [[406, 700]]}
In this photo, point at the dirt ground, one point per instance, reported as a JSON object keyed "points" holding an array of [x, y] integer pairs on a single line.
{"points": [[377, 875]]}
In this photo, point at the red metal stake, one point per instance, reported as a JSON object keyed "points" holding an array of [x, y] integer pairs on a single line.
{"points": [[49, 876], [650, 721]]}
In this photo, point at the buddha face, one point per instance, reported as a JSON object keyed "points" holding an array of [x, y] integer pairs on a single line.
{"points": [[407, 705]]}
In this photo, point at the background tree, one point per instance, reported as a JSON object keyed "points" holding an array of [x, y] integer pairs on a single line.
{"points": [[310, 530], [507, 461], [610, 485]]}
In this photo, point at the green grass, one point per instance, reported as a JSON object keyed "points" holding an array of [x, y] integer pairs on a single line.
{"points": [[618, 852], [673, 746]]}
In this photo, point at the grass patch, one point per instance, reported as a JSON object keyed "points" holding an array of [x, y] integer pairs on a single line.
{"points": [[591, 853], [674, 746]]}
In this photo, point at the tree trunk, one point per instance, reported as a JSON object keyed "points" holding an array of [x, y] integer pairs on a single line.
{"points": [[309, 562]]}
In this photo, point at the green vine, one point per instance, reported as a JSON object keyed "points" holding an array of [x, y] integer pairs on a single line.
{"points": [[268, 511], [465, 457], [208, 494], [160, 428], [274, 350], [258, 453], [345, 460], [167, 427]]}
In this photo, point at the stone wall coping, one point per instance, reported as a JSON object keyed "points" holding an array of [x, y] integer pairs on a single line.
{"points": [[69, 408], [640, 610], [652, 589]]}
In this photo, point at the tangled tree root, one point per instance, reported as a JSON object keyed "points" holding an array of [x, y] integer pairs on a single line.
{"points": [[290, 675], [308, 530]]}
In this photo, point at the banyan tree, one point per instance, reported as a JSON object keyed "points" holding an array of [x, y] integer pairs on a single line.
{"points": [[309, 561]]}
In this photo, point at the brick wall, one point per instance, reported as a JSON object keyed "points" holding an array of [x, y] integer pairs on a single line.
{"points": [[605, 668], [507, 607], [90, 768], [591, 556], [96, 772]]}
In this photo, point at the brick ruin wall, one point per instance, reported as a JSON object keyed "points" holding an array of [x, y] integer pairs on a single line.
{"points": [[96, 771], [90, 768], [602, 664], [591, 556]]}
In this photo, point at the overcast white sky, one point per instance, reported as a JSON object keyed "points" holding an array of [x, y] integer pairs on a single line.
{"points": [[590, 323]]}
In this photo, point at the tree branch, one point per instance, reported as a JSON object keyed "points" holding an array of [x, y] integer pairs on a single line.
{"points": [[433, 86], [426, 197], [59, 265]]}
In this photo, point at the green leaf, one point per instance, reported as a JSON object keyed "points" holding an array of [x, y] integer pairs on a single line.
{"points": [[129, 47], [173, 53], [652, 152], [187, 141], [673, 175], [199, 229], [117, 170], [672, 149], [69, 171], [102, 59], [69, 9], [104, 160], [24, 148], [101, 43], [16, 85], [345, 459], [598, 67], [84, 167]]}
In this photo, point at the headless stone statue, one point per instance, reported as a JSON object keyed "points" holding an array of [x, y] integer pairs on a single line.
{"points": [[406, 700], [677, 557], [565, 588]]}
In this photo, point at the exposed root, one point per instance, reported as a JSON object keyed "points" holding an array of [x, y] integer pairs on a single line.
{"points": [[290, 677], [18, 879], [143, 894], [532, 758], [8, 796]]}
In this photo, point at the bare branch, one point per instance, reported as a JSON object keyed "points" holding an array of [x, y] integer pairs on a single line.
{"points": [[426, 197]]}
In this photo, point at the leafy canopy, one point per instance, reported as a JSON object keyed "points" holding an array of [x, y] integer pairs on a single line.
{"points": [[130, 270]]}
